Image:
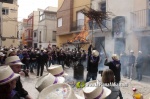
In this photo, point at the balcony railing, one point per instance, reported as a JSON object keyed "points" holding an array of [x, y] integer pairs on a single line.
{"points": [[140, 20], [78, 25], [27, 38]]}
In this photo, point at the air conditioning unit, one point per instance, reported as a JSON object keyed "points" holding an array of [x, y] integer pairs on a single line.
{"points": [[7, 1]]}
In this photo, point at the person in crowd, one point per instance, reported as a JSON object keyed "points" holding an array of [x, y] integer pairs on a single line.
{"points": [[93, 61], [20, 55], [54, 56], [62, 57], [2, 58], [83, 58], [131, 62], [26, 61], [8, 81], [33, 61], [57, 55], [108, 78], [123, 61], [41, 62], [50, 60], [138, 65], [45, 58], [101, 66], [115, 66], [15, 63], [11, 53]]}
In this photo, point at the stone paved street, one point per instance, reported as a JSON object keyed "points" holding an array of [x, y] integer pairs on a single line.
{"points": [[143, 86]]}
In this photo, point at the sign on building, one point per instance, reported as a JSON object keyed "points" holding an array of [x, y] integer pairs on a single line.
{"points": [[118, 27]]}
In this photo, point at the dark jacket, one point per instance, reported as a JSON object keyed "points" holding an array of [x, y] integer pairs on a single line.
{"points": [[15, 95], [115, 66], [114, 92], [19, 88], [131, 60], [93, 64], [139, 61], [40, 58]]}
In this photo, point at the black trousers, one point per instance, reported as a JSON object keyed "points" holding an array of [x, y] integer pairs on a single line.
{"points": [[40, 69]]}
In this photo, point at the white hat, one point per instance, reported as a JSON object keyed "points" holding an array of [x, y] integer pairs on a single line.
{"points": [[95, 92], [131, 51], [8, 52], [1, 53], [47, 80], [56, 70], [25, 49], [44, 51], [7, 75], [13, 60], [2, 49], [95, 53], [140, 52], [115, 57], [58, 91]]}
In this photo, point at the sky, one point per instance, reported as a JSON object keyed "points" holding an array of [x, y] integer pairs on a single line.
{"points": [[26, 7]]}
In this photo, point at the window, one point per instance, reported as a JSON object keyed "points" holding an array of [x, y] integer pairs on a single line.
{"points": [[80, 20], [42, 17], [54, 36], [59, 22], [103, 6], [34, 34], [5, 11]]}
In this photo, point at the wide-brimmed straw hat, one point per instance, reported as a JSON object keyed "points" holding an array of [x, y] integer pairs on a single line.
{"points": [[95, 53], [95, 92], [13, 60], [56, 70], [47, 80], [1, 54], [115, 57], [8, 52], [7, 75], [58, 91]]}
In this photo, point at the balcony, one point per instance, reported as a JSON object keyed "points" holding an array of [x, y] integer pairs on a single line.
{"points": [[78, 25], [140, 20], [29, 39]]}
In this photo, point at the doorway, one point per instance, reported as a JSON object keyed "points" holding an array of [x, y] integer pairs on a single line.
{"points": [[145, 48], [98, 46], [119, 46]]}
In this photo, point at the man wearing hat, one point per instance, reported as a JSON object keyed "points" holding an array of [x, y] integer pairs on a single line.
{"points": [[15, 64], [92, 67], [131, 61], [139, 63], [8, 81]]}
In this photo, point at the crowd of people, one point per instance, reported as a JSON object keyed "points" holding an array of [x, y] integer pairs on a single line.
{"points": [[28, 59], [38, 58]]}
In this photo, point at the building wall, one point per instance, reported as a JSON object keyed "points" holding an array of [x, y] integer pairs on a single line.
{"points": [[35, 19], [9, 25], [79, 5], [60, 2], [140, 4], [51, 26], [65, 12], [124, 8], [47, 26], [61, 39]]}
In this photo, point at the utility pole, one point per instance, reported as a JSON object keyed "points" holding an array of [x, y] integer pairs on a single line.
{"points": [[92, 24]]}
